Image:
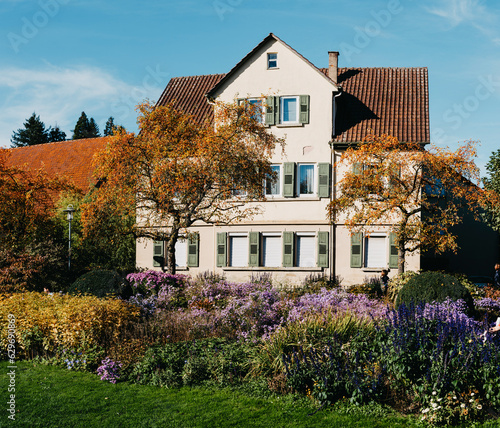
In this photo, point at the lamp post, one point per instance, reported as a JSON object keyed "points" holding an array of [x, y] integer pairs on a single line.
{"points": [[69, 217]]}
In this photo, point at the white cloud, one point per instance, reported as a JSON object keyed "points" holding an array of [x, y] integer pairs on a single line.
{"points": [[468, 12], [59, 95], [458, 11]]}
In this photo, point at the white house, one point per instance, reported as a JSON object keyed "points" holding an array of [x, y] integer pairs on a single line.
{"points": [[320, 111]]}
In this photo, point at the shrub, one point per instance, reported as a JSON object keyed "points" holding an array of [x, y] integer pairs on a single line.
{"points": [[46, 324], [215, 361], [397, 282], [313, 330], [100, 283], [428, 287]]}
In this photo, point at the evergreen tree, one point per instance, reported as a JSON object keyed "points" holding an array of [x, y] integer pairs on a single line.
{"points": [[34, 132], [55, 134], [85, 128], [111, 128]]}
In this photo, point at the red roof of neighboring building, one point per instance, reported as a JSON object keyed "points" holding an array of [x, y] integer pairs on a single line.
{"points": [[392, 101], [71, 159]]}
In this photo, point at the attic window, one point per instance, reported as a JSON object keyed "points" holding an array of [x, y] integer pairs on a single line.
{"points": [[272, 60]]}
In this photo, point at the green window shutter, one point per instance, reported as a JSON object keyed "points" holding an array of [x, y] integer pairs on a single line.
{"points": [[253, 253], [158, 254], [270, 111], [393, 251], [221, 249], [289, 179], [357, 167], [323, 249], [277, 110], [357, 250], [288, 241], [304, 109], [193, 250], [324, 170]]}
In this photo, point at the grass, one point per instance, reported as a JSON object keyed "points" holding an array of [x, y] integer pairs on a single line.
{"points": [[48, 396]]}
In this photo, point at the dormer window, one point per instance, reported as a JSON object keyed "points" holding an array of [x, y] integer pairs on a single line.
{"points": [[272, 60]]}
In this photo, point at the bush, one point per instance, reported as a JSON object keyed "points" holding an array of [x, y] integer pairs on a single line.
{"points": [[48, 324], [215, 361], [100, 283], [428, 287]]}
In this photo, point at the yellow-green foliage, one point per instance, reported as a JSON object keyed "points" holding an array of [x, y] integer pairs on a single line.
{"points": [[52, 322]]}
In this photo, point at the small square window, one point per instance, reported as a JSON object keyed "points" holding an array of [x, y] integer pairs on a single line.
{"points": [[272, 60]]}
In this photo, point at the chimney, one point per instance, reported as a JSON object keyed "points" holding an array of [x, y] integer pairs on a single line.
{"points": [[333, 65]]}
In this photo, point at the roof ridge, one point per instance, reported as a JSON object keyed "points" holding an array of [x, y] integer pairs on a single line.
{"points": [[56, 142]]}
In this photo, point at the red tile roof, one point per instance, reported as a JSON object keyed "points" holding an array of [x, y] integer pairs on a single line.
{"points": [[72, 159], [391, 101]]}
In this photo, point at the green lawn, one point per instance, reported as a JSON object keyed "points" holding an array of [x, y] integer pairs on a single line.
{"points": [[48, 396]]}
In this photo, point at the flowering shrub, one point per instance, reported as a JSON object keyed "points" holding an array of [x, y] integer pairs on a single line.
{"points": [[158, 290], [338, 301], [109, 370], [452, 409], [47, 323]]}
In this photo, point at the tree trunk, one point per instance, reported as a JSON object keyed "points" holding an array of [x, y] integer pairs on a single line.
{"points": [[171, 252], [401, 257]]}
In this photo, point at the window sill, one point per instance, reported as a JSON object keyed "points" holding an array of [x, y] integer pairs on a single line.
{"points": [[273, 269], [366, 269], [292, 199], [290, 125]]}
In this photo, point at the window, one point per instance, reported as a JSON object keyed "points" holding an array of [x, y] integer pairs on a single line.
{"points": [[306, 184], [186, 252], [271, 250], [287, 110], [273, 184], [181, 253], [374, 251], [272, 60], [238, 250], [305, 250], [258, 109], [289, 107]]}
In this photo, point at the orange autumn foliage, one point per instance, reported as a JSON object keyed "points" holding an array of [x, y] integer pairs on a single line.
{"points": [[421, 193], [176, 171]]}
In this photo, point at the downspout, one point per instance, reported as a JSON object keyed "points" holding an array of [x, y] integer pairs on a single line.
{"points": [[333, 194]]}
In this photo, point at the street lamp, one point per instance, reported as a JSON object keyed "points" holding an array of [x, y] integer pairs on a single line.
{"points": [[69, 217]]}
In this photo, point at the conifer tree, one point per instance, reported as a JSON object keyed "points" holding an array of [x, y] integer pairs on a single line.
{"points": [[85, 128], [34, 132], [55, 134]]}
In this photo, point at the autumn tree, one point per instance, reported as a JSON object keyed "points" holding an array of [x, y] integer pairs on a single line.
{"points": [[30, 239], [492, 183], [176, 172], [419, 194]]}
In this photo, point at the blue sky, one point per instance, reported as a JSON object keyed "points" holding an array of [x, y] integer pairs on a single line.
{"points": [[62, 57]]}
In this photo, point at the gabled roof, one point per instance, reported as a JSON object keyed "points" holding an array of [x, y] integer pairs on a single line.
{"points": [[271, 37], [71, 159], [391, 101]]}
